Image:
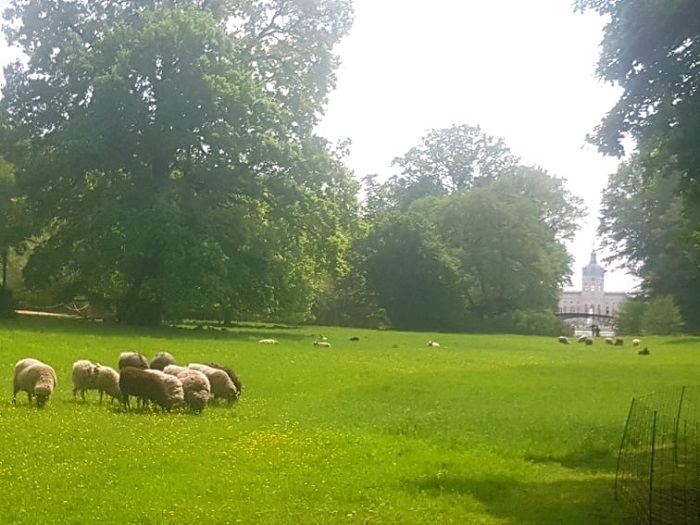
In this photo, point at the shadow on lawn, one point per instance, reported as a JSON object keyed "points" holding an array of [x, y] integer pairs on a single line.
{"points": [[240, 332], [580, 502]]}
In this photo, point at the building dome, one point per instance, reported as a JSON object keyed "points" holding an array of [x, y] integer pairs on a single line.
{"points": [[593, 269]]}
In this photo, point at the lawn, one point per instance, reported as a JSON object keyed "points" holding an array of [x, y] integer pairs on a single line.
{"points": [[484, 430]]}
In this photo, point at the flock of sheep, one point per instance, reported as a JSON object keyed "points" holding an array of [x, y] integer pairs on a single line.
{"points": [[617, 341], [160, 381]]}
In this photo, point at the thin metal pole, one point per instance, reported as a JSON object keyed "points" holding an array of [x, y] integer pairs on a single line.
{"points": [[651, 465]]}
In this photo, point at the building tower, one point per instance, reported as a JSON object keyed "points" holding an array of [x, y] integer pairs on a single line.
{"points": [[593, 285]]}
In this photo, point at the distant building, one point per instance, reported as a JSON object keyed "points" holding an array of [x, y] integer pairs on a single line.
{"points": [[592, 299]]}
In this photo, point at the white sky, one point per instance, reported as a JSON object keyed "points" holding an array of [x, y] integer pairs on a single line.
{"points": [[522, 70]]}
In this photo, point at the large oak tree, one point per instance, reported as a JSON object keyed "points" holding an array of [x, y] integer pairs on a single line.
{"points": [[167, 149]]}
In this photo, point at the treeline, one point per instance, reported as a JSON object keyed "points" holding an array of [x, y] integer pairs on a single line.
{"points": [[160, 159]]}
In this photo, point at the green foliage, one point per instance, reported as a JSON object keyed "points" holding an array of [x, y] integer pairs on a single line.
{"points": [[649, 316], [167, 151], [649, 49], [662, 317], [380, 430], [466, 237], [646, 226], [630, 315]]}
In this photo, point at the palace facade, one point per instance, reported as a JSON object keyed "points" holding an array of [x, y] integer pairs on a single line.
{"points": [[592, 299]]}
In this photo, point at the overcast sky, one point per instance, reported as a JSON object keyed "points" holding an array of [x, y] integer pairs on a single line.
{"points": [[521, 70], [524, 71]]}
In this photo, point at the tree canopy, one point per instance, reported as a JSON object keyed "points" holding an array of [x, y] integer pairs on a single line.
{"points": [[167, 149]]}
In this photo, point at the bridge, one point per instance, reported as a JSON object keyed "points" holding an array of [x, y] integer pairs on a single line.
{"points": [[600, 319]]}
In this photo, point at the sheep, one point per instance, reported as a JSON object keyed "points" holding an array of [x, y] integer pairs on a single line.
{"points": [[133, 359], [564, 340], [195, 385], [434, 344], [84, 377], [220, 382], [36, 379], [582, 338], [268, 342], [643, 351], [354, 338], [619, 342], [108, 382], [142, 384], [324, 344], [589, 341], [609, 341], [232, 375], [161, 360], [635, 342], [174, 392]]}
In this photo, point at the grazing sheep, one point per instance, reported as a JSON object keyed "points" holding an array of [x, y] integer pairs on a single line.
{"points": [[133, 359], [564, 340], [142, 384], [619, 342], [268, 341], [84, 377], [174, 392], [161, 360], [36, 379], [434, 344], [324, 344], [354, 338], [589, 341], [582, 338], [635, 342], [195, 384], [108, 382], [609, 341], [220, 382], [232, 375], [643, 351]]}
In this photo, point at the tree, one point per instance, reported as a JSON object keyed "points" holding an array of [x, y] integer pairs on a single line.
{"points": [[646, 227], [651, 49], [448, 160], [14, 229], [414, 276], [511, 256], [159, 141]]}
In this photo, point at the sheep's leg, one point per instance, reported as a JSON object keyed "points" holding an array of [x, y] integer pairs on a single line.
{"points": [[101, 392], [82, 394]]}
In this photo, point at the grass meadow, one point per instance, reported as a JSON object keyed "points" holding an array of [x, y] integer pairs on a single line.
{"points": [[490, 429]]}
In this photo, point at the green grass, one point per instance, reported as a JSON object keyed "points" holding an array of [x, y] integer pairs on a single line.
{"points": [[484, 430]]}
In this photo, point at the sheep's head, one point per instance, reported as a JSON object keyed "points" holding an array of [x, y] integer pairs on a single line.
{"points": [[42, 398]]}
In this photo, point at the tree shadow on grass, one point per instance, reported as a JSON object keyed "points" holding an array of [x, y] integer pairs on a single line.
{"points": [[570, 502], [240, 332]]}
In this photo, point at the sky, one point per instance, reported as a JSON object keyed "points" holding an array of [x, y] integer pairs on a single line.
{"points": [[521, 70]]}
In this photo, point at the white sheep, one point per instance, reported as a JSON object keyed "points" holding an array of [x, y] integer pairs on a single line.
{"points": [[268, 342], [84, 377], [323, 343], [172, 387], [434, 344], [36, 379], [220, 382], [108, 382], [636, 342], [564, 340], [132, 359], [195, 385], [161, 360]]}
